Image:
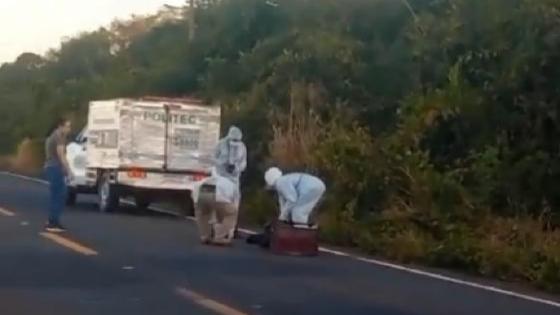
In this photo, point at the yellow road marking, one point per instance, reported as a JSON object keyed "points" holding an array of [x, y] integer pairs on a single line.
{"points": [[7, 213], [73, 245], [207, 303]]}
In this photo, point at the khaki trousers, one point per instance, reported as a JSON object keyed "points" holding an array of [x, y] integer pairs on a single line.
{"points": [[225, 215]]}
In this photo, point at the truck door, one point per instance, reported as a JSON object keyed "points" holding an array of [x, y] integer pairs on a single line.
{"points": [[76, 156], [143, 136], [193, 133]]}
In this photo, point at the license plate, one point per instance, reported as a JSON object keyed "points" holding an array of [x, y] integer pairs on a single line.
{"points": [[137, 174]]}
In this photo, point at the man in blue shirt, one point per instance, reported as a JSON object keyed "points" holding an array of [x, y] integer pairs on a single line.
{"points": [[57, 171]]}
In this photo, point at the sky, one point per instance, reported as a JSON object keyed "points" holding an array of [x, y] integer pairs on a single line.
{"points": [[37, 25]]}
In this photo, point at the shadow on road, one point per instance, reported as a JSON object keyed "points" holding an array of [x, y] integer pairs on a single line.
{"points": [[123, 210]]}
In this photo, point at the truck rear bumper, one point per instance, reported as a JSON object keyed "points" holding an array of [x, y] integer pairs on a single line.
{"points": [[158, 181]]}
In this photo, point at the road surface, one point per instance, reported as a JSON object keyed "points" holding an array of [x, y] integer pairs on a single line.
{"points": [[127, 263]]}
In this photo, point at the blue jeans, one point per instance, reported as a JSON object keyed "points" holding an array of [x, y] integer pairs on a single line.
{"points": [[58, 191]]}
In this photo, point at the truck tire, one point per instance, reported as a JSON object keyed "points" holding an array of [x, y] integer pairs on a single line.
{"points": [[71, 196], [108, 195]]}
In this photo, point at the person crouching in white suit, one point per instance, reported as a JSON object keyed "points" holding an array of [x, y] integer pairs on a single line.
{"points": [[298, 194], [215, 198]]}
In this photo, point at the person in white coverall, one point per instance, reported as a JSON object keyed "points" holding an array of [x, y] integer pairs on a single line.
{"points": [[215, 199], [231, 155], [298, 194], [231, 160]]}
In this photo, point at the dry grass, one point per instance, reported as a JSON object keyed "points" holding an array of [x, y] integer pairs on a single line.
{"points": [[28, 158], [522, 249], [408, 246], [296, 134], [4, 162]]}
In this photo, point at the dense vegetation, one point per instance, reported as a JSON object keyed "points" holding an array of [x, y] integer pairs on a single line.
{"points": [[434, 122]]}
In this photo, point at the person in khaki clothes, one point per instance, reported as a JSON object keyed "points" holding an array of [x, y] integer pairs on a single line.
{"points": [[216, 198]]}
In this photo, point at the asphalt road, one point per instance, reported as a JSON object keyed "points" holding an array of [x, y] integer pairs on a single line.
{"points": [[129, 263]]}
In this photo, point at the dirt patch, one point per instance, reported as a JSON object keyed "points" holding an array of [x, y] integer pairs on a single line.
{"points": [[28, 158]]}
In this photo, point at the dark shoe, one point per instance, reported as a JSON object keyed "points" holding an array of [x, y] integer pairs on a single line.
{"points": [[54, 228]]}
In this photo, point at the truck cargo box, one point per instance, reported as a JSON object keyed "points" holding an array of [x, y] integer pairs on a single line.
{"points": [[153, 142]]}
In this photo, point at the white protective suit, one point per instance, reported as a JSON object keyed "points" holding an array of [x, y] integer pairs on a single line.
{"points": [[226, 190], [232, 153], [298, 194]]}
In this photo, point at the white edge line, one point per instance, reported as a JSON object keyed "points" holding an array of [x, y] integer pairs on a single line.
{"points": [[31, 179], [442, 277], [6, 213], [374, 261]]}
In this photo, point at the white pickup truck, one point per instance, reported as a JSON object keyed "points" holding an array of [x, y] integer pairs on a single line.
{"points": [[149, 149]]}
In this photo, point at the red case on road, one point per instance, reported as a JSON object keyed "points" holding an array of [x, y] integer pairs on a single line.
{"points": [[295, 241]]}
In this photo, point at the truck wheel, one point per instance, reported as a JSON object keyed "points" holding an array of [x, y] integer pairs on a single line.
{"points": [[71, 196], [142, 202], [108, 195]]}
